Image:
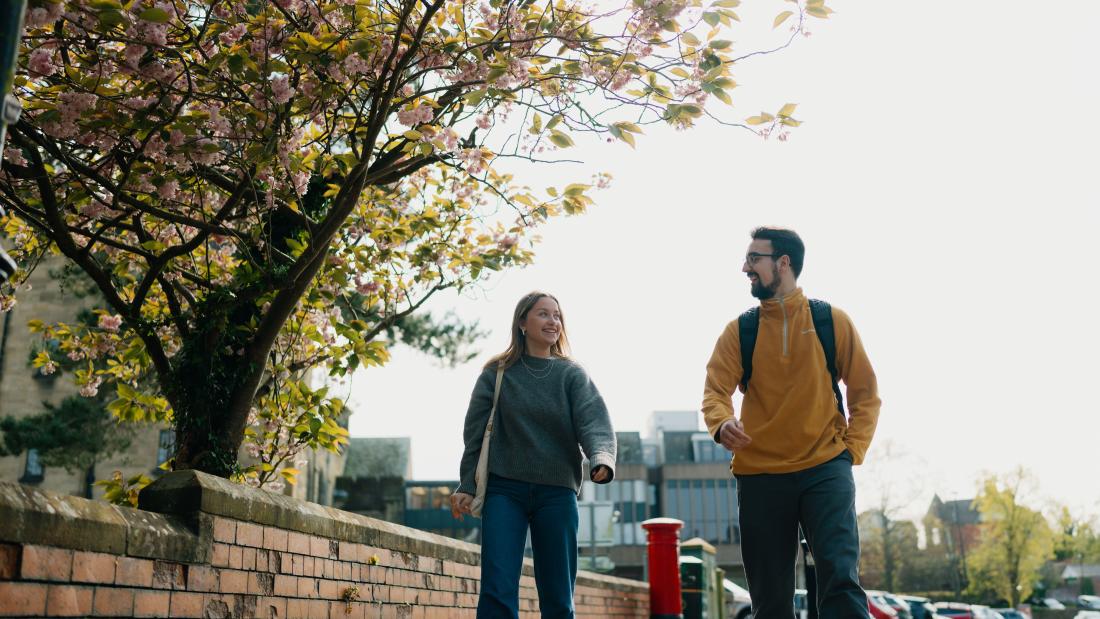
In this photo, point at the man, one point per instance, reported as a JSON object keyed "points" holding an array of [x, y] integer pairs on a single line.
{"points": [[793, 449]]}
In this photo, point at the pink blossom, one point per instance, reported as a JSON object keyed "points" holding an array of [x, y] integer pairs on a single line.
{"points": [[91, 388], [41, 62], [169, 189], [110, 322], [281, 92], [450, 138], [43, 16], [484, 121], [132, 55], [300, 180], [37, 18], [234, 34], [49, 368], [367, 288], [14, 155], [420, 114]]}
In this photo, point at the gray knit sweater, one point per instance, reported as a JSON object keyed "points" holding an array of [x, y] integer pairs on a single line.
{"points": [[549, 410]]}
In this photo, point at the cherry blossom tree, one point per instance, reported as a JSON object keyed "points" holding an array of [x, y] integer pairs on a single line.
{"points": [[261, 189]]}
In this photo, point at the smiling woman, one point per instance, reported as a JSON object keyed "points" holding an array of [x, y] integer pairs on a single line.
{"points": [[532, 413]]}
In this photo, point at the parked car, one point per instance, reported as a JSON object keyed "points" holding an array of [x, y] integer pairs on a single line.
{"points": [[1011, 613], [738, 602], [984, 612], [955, 610], [880, 609], [1087, 614], [1052, 603], [901, 607], [1088, 601], [920, 608]]}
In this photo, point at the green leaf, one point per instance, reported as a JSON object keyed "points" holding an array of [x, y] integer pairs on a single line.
{"points": [[728, 4], [764, 117], [723, 96], [712, 18], [720, 44], [154, 246], [155, 15], [691, 109], [782, 17], [109, 19], [787, 110], [475, 97], [629, 126], [690, 39], [560, 139]]}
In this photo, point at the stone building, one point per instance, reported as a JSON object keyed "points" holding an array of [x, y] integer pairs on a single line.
{"points": [[23, 390]]}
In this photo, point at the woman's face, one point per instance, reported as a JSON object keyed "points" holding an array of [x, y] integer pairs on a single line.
{"points": [[543, 323]]}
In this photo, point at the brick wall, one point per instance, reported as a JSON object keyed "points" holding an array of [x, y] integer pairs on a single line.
{"points": [[203, 547]]}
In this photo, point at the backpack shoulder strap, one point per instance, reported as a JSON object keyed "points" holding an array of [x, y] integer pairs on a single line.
{"points": [[747, 326], [822, 314]]}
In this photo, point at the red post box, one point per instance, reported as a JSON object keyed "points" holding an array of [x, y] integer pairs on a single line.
{"points": [[663, 539]]}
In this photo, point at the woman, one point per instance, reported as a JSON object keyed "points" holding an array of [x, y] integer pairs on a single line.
{"points": [[548, 410]]}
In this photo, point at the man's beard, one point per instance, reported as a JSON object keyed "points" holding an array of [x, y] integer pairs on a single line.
{"points": [[762, 292]]}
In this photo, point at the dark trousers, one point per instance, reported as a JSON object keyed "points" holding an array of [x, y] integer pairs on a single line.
{"points": [[823, 500], [511, 507]]}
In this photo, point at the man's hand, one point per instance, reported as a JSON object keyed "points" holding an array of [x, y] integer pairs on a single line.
{"points": [[460, 504], [732, 435], [600, 474]]}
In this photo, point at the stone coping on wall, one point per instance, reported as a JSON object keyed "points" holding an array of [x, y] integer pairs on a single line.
{"points": [[186, 492], [175, 521], [29, 515]]}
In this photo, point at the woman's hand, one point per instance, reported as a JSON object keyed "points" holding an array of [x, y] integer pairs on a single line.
{"points": [[460, 504], [600, 474]]}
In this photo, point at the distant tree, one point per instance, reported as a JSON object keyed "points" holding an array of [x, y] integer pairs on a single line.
{"points": [[887, 550], [1016, 540], [74, 435], [1076, 539], [893, 479]]}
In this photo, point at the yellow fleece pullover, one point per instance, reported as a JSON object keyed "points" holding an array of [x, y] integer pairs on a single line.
{"points": [[790, 410]]}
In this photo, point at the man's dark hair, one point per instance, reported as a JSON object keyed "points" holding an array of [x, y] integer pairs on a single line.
{"points": [[784, 243]]}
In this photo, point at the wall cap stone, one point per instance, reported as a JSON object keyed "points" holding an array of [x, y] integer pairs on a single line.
{"points": [[188, 492], [34, 516]]}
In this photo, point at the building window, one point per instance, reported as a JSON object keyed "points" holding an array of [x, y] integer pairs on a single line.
{"points": [[166, 446], [33, 471]]}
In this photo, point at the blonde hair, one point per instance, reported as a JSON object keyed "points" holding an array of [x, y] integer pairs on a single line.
{"points": [[518, 343]]}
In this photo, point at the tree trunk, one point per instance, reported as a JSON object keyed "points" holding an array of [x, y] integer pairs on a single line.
{"points": [[89, 481], [206, 377]]}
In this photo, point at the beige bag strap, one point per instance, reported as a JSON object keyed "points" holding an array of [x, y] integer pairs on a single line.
{"points": [[481, 475], [496, 396]]}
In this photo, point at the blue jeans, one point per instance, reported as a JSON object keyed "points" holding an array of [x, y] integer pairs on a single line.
{"points": [[821, 499], [511, 507]]}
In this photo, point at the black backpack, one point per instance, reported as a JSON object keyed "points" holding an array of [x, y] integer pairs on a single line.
{"points": [[749, 323]]}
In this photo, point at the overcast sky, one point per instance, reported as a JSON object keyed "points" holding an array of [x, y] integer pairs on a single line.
{"points": [[944, 182]]}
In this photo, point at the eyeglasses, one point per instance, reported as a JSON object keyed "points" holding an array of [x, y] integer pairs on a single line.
{"points": [[752, 257]]}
